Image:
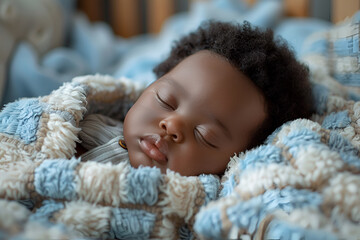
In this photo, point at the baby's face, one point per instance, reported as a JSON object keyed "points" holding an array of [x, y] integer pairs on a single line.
{"points": [[194, 118]]}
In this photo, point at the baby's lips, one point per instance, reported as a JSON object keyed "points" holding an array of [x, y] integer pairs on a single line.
{"points": [[162, 146], [154, 148]]}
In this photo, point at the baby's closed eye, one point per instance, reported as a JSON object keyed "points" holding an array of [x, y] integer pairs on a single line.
{"points": [[165, 103], [205, 136]]}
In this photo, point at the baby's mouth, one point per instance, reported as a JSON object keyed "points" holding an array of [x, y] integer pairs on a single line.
{"points": [[154, 147]]}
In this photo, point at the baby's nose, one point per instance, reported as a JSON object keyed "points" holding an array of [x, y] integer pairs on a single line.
{"points": [[173, 127]]}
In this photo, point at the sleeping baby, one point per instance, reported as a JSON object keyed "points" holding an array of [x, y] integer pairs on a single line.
{"points": [[222, 90]]}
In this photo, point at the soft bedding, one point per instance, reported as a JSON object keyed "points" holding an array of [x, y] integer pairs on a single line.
{"points": [[93, 200], [302, 183]]}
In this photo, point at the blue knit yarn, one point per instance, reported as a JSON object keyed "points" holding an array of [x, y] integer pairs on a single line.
{"points": [[299, 138], [45, 213], [55, 178], [284, 231], [143, 185], [131, 224], [208, 224], [348, 79], [320, 96], [274, 134], [340, 144], [228, 186], [263, 155], [21, 119], [248, 214], [337, 120], [341, 49], [48, 208], [351, 160], [354, 96], [258, 157], [211, 185]]}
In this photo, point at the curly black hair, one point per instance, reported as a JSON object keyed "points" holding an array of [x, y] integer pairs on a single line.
{"points": [[266, 60]]}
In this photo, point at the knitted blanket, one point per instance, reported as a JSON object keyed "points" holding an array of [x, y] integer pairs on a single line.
{"points": [[302, 183], [49, 194]]}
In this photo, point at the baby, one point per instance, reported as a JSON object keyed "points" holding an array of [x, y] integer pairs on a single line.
{"points": [[223, 89]]}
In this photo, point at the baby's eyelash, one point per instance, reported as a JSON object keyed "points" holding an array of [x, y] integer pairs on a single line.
{"points": [[164, 103], [202, 138]]}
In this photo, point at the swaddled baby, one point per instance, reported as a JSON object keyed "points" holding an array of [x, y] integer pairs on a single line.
{"points": [[222, 90]]}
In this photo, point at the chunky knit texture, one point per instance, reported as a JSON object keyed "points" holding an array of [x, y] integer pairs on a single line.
{"points": [[303, 183], [73, 198]]}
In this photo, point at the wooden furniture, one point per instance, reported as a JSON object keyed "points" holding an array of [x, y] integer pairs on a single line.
{"points": [[132, 17]]}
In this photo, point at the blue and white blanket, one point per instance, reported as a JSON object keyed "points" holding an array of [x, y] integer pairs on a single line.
{"points": [[303, 183], [43, 186]]}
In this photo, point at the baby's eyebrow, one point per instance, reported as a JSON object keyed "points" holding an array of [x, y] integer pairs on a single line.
{"points": [[175, 85]]}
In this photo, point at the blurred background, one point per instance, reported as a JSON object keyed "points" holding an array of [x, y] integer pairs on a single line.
{"points": [[131, 17], [44, 43]]}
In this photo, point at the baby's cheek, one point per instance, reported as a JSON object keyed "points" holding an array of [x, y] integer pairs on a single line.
{"points": [[218, 163], [134, 159]]}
